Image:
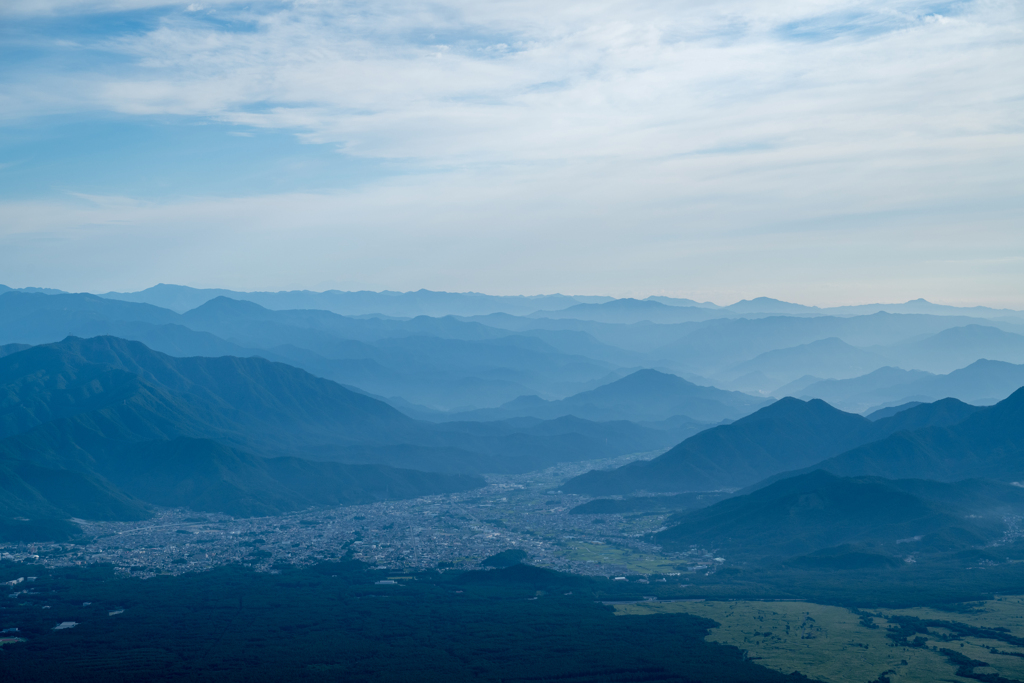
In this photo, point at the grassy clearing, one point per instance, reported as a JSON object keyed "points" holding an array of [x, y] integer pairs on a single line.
{"points": [[1005, 611], [820, 641], [610, 555]]}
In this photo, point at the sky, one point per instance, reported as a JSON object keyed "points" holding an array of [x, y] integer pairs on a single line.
{"points": [[821, 151]]}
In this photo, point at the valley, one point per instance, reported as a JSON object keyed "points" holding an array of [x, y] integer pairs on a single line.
{"points": [[451, 531]]}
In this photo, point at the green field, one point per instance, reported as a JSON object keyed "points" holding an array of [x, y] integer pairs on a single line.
{"points": [[1005, 611], [833, 645], [633, 562]]}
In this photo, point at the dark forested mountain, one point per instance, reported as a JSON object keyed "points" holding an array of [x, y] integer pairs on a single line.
{"points": [[85, 423], [202, 474], [738, 454], [892, 410], [760, 446], [151, 395], [989, 443], [869, 519], [642, 396]]}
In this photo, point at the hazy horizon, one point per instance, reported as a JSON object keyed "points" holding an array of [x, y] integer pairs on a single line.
{"points": [[721, 303], [833, 153]]}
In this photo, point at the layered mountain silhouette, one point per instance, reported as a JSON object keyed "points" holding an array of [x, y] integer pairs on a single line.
{"points": [[440, 362], [959, 346], [716, 346], [983, 382], [629, 311], [402, 304], [454, 365], [830, 357], [989, 443], [761, 445], [96, 428], [643, 396], [840, 522]]}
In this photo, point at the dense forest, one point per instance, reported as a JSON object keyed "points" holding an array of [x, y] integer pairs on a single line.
{"points": [[335, 622]]}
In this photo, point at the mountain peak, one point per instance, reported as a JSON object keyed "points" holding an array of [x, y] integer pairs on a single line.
{"points": [[225, 304]]}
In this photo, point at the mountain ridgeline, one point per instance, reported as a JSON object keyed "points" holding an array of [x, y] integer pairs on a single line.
{"points": [[97, 428], [820, 520], [788, 435], [259, 403]]}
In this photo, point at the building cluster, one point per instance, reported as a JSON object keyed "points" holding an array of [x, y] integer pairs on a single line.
{"points": [[455, 531]]}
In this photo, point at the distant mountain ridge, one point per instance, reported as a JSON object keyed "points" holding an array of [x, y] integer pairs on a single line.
{"points": [[761, 445], [642, 396], [403, 304], [830, 357], [984, 381]]}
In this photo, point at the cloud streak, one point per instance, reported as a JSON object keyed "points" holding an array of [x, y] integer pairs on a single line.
{"points": [[690, 122]]}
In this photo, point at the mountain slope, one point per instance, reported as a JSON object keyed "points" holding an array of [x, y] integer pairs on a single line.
{"points": [[642, 396], [956, 347], [817, 511], [983, 381], [988, 444], [245, 400], [831, 357], [77, 403], [761, 445], [735, 455], [204, 475], [85, 423]]}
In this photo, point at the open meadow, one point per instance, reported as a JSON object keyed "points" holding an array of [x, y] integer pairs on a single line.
{"points": [[981, 642]]}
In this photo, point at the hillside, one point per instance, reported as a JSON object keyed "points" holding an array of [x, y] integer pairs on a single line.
{"points": [[736, 455], [93, 428], [989, 444], [761, 445], [81, 415], [817, 511], [207, 476], [134, 393]]}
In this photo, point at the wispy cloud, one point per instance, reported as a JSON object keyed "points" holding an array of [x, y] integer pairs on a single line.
{"points": [[686, 123], [459, 82]]}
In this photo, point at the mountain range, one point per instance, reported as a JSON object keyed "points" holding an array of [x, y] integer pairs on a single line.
{"points": [[642, 396], [444, 366], [97, 428], [983, 382], [788, 435], [818, 520]]}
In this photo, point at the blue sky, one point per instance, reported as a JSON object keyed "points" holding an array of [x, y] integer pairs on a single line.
{"points": [[828, 152]]}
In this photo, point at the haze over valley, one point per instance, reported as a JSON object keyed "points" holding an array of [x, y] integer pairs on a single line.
{"points": [[511, 342], [712, 450]]}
